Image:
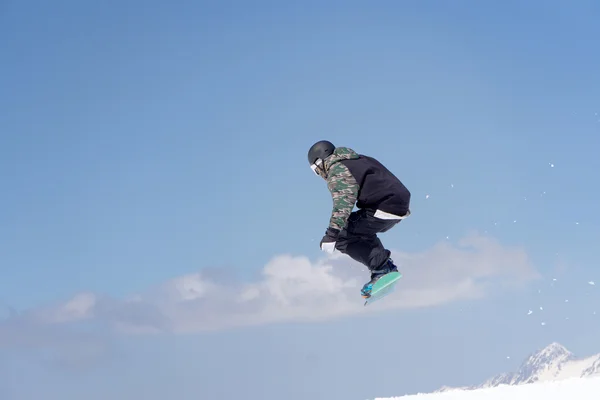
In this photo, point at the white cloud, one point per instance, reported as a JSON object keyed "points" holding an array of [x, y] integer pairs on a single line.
{"points": [[81, 306], [296, 289]]}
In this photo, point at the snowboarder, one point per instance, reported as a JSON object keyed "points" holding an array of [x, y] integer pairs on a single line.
{"points": [[381, 198]]}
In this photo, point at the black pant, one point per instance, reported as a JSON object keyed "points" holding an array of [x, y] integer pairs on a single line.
{"points": [[359, 239]]}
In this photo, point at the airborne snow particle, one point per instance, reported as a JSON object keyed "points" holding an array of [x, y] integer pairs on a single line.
{"points": [[530, 312], [591, 283], [543, 323], [426, 196], [551, 165]]}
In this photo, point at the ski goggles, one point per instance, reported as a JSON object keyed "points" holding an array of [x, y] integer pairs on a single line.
{"points": [[316, 165]]}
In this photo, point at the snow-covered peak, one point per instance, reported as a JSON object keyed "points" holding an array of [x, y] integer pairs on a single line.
{"points": [[553, 362], [548, 360], [593, 369], [553, 353]]}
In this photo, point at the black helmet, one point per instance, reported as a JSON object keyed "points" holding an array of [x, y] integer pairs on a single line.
{"points": [[322, 150]]}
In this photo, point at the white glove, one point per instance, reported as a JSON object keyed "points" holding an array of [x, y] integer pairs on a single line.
{"points": [[328, 247]]}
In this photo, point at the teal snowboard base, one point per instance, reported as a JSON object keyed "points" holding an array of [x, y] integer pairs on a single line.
{"points": [[383, 287]]}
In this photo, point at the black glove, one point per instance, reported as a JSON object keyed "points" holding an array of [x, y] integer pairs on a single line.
{"points": [[328, 242]]}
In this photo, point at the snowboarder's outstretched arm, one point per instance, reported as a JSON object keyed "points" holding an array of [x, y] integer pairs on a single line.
{"points": [[344, 192]]}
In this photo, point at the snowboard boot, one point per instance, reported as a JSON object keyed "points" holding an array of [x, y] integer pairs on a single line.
{"points": [[386, 268]]}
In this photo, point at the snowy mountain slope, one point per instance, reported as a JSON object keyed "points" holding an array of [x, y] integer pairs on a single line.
{"points": [[564, 389], [553, 362]]}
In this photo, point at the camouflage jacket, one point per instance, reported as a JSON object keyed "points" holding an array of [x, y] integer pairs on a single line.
{"points": [[342, 185]]}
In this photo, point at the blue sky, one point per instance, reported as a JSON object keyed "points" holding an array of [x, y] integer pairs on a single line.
{"points": [[160, 224]]}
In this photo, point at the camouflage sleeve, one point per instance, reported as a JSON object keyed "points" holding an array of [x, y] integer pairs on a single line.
{"points": [[344, 192]]}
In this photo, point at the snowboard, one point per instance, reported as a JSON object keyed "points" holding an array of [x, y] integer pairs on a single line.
{"points": [[383, 287]]}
